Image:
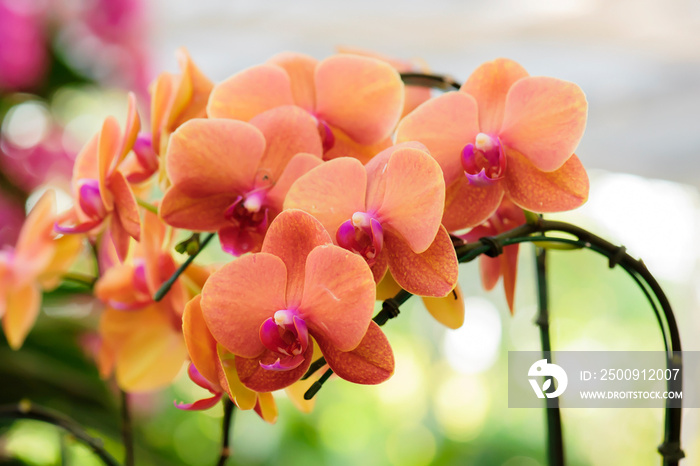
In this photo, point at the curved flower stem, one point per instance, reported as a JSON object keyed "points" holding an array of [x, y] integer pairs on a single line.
{"points": [[435, 81], [127, 434], [226, 428], [149, 207], [670, 449], [26, 410], [165, 287], [555, 439], [81, 279]]}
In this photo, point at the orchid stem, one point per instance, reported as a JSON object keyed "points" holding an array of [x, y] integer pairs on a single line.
{"points": [[26, 410], [226, 428], [149, 207], [81, 279], [127, 433], [165, 287], [555, 440]]}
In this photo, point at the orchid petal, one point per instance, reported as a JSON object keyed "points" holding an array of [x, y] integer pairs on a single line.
{"points": [[300, 68], [370, 363], [376, 182], [431, 273], [244, 397], [250, 92], [509, 268], [380, 266], [490, 271], [266, 407], [35, 245], [258, 379], [205, 213], [339, 294], [200, 343], [214, 156], [467, 205], [291, 237], [489, 85], [387, 288], [119, 236], [288, 130], [192, 92], [200, 405], [449, 311], [237, 241], [344, 146], [149, 350], [21, 310], [414, 190], [445, 125], [299, 165], [238, 297], [131, 129], [563, 189], [377, 96], [544, 120], [66, 250], [108, 148], [125, 204], [78, 228], [331, 192], [161, 92]]}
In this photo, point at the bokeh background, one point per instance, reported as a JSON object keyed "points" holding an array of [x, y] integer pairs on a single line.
{"points": [[66, 64]]}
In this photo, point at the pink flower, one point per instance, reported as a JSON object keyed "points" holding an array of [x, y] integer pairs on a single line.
{"points": [[268, 308], [23, 50], [504, 133]]}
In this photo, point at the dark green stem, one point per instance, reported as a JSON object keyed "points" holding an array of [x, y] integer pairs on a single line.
{"points": [[226, 430], [435, 81], [555, 439], [165, 287], [25, 410], [127, 433]]}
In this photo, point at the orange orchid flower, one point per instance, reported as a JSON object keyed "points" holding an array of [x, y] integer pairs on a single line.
{"points": [[388, 211], [355, 101], [268, 309], [504, 133], [230, 176], [141, 339], [36, 263], [506, 217], [101, 190]]}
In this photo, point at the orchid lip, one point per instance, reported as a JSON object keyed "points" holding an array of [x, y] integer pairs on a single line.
{"points": [[287, 335], [362, 234], [90, 199], [484, 161]]}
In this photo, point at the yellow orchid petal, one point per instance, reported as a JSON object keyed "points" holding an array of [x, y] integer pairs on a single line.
{"points": [[244, 398], [21, 311], [449, 311]]}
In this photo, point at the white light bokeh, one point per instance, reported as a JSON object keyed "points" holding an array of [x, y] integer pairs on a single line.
{"points": [[26, 124], [474, 347]]}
